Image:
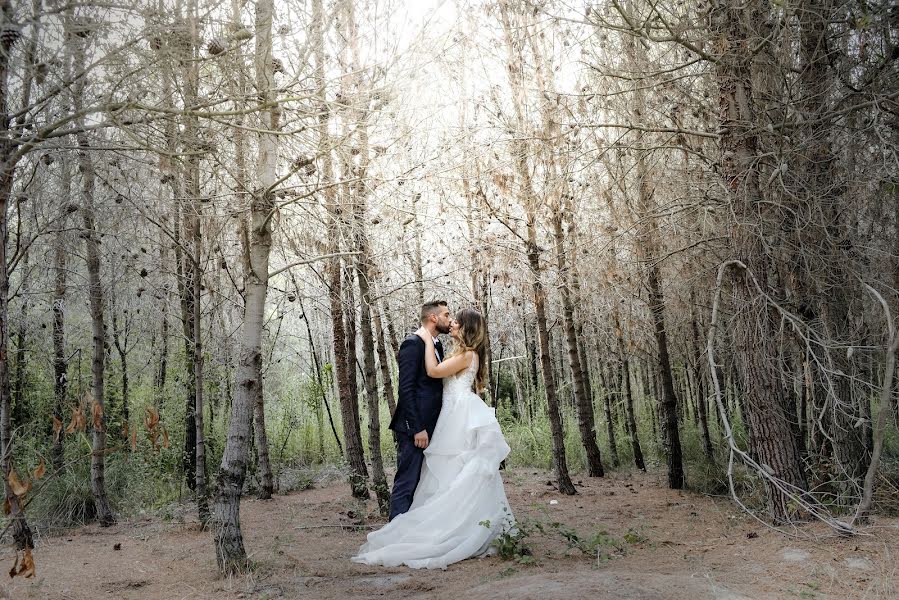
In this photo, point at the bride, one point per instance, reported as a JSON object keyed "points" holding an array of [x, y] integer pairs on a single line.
{"points": [[460, 505]]}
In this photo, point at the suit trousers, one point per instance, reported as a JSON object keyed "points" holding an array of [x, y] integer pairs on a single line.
{"points": [[408, 471]]}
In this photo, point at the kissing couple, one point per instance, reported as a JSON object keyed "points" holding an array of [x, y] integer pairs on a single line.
{"points": [[448, 501]]}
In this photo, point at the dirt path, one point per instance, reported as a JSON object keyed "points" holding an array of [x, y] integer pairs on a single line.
{"points": [[673, 545]]}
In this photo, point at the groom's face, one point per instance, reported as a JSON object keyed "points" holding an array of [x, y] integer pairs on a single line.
{"points": [[443, 320]]}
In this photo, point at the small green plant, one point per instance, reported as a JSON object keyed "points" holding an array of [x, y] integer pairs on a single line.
{"points": [[635, 536], [510, 544], [600, 545]]}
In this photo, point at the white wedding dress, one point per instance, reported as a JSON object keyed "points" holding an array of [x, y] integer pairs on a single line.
{"points": [[460, 505]]}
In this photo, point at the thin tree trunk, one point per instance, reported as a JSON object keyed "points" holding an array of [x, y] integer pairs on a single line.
{"points": [[364, 270], [20, 530], [98, 334], [583, 403], [230, 552], [610, 424], [122, 350], [530, 203], [343, 366], [383, 360], [193, 315], [549, 380], [95, 295], [19, 414], [628, 396], [701, 401], [60, 364], [668, 405], [319, 378]]}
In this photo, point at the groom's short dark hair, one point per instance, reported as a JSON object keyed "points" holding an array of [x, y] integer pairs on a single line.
{"points": [[429, 308]]}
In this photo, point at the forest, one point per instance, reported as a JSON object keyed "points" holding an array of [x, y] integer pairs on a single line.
{"points": [[219, 220]]}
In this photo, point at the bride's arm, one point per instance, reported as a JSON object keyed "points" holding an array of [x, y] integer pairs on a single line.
{"points": [[447, 368]]}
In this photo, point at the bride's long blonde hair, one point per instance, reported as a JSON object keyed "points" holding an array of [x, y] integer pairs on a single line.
{"points": [[473, 336]]}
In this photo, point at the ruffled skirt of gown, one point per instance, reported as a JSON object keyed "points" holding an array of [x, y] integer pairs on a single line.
{"points": [[460, 505]]}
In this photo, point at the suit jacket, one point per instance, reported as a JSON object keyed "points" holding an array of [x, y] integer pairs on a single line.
{"points": [[420, 396]]}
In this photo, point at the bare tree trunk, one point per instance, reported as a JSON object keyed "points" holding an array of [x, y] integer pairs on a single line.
{"points": [[549, 380], [364, 275], [161, 373], [320, 379], [60, 364], [701, 401], [194, 273], [230, 552], [95, 295], [610, 424], [529, 201], [184, 274], [122, 351], [343, 363], [628, 396], [531, 348], [757, 330], [383, 360], [98, 333], [389, 328], [267, 481], [669, 399], [351, 366], [20, 530], [19, 414], [583, 402]]}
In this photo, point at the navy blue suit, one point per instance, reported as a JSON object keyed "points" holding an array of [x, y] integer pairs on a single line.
{"points": [[417, 409]]}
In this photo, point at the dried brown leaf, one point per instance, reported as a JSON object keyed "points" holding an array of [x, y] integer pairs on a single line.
{"points": [[15, 566], [7, 507], [97, 416], [15, 484], [151, 418], [73, 424], [57, 429], [27, 567], [134, 439], [41, 469]]}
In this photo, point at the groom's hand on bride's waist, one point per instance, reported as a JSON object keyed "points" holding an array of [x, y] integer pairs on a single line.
{"points": [[421, 439]]}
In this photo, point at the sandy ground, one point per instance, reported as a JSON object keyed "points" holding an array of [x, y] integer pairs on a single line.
{"points": [[681, 545]]}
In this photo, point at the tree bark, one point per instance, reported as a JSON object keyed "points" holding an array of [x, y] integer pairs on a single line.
{"points": [[584, 403], [343, 363], [20, 530], [756, 332], [98, 334], [95, 295], [365, 270], [121, 346], [19, 413], [628, 395], [60, 363], [384, 361], [549, 380], [701, 401], [668, 404], [266, 479], [530, 203], [610, 423], [230, 552]]}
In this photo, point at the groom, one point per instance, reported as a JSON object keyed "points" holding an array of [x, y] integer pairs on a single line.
{"points": [[420, 399]]}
